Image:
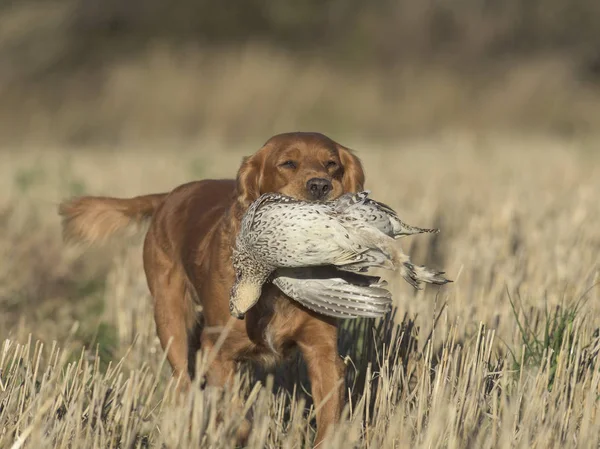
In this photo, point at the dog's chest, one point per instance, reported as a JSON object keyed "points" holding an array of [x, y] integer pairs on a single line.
{"points": [[272, 325]]}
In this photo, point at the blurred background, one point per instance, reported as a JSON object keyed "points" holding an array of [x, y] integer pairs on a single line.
{"points": [[106, 72]]}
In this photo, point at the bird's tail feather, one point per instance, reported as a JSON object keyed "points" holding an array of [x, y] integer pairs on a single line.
{"points": [[406, 230], [368, 259], [430, 276], [407, 271], [416, 275]]}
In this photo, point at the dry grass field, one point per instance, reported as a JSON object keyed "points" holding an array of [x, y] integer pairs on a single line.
{"points": [[506, 356]]}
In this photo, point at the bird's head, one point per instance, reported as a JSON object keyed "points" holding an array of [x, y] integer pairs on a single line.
{"points": [[244, 295], [247, 288]]}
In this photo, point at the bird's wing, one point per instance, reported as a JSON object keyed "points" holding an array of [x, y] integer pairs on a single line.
{"points": [[335, 296], [337, 310]]}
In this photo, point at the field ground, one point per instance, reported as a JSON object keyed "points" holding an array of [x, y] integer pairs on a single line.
{"points": [[503, 357]]}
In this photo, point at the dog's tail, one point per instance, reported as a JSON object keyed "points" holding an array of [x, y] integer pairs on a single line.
{"points": [[93, 219]]}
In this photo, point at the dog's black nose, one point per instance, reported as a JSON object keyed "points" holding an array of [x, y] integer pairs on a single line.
{"points": [[318, 188]]}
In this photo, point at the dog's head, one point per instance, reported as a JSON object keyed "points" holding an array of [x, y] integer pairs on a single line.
{"points": [[308, 166]]}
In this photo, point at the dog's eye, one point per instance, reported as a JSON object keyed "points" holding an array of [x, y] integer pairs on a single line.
{"points": [[288, 164], [331, 164]]}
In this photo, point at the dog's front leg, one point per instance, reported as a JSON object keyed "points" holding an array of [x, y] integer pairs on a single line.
{"points": [[318, 343]]}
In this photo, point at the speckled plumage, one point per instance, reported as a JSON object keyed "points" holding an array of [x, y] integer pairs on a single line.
{"points": [[352, 233], [361, 210]]}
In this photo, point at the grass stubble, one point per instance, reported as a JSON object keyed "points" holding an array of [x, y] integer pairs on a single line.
{"points": [[503, 357]]}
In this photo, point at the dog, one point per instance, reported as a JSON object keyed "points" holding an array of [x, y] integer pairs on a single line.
{"points": [[187, 261]]}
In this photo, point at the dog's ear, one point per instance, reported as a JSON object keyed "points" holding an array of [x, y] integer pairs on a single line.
{"points": [[248, 180], [354, 175]]}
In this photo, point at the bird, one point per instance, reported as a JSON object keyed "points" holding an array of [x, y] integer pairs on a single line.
{"points": [[353, 233], [332, 292]]}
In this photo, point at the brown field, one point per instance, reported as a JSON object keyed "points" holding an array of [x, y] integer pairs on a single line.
{"points": [[503, 357]]}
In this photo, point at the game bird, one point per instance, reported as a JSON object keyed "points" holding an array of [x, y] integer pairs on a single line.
{"points": [[353, 233]]}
